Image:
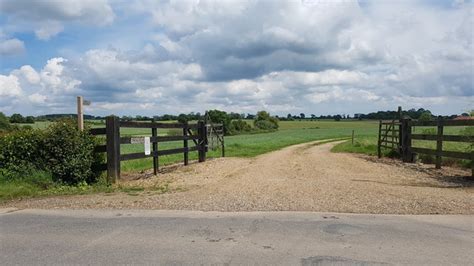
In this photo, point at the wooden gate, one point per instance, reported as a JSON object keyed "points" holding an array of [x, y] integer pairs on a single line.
{"points": [[194, 138], [389, 136], [215, 137]]}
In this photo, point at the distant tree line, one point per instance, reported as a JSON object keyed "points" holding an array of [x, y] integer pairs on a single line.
{"points": [[420, 113]]}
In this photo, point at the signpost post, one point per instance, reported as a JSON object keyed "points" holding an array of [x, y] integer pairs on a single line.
{"points": [[80, 112]]}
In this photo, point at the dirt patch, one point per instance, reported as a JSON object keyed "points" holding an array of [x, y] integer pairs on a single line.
{"points": [[304, 177]]}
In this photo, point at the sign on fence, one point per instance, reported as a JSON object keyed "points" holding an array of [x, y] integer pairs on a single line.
{"points": [[147, 146]]}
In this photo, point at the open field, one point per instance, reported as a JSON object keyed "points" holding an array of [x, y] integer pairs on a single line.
{"points": [[290, 133], [305, 177]]}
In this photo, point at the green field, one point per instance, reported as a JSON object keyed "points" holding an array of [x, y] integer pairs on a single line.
{"points": [[290, 133]]}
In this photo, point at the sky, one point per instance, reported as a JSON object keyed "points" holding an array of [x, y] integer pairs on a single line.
{"points": [[150, 57]]}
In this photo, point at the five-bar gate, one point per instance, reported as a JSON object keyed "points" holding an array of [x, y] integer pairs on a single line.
{"points": [[194, 137]]}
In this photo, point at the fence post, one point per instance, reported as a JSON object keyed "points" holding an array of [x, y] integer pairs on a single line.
{"points": [[439, 142], [407, 155], [202, 141], [112, 129], [223, 145], [400, 128], [185, 143], [353, 137], [154, 134], [379, 151]]}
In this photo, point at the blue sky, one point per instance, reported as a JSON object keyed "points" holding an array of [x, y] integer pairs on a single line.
{"points": [[314, 56]]}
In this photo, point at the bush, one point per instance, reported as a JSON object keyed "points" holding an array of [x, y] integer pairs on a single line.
{"points": [[4, 123], [69, 153], [239, 126], [265, 125], [61, 150], [264, 121], [20, 153]]}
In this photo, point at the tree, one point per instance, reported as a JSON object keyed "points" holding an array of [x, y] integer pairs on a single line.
{"points": [[30, 119], [4, 123], [17, 118], [217, 116], [302, 116], [425, 116], [264, 121], [182, 118]]}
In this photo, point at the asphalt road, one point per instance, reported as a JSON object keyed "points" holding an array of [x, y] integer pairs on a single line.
{"points": [[277, 238]]}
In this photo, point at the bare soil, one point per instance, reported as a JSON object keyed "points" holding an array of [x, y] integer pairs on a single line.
{"points": [[306, 177]]}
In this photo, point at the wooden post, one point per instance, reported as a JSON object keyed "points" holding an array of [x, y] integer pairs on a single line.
{"points": [[113, 148], [400, 129], [439, 142], [379, 151], [202, 141], [223, 145], [353, 137], [407, 155], [154, 134], [80, 113], [185, 144]]}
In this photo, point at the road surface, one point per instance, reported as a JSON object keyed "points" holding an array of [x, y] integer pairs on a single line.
{"points": [[272, 238]]}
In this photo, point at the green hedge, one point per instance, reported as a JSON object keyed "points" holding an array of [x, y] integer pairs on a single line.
{"points": [[61, 150]]}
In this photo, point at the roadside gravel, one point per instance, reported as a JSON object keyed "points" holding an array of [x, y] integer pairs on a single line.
{"points": [[305, 177]]}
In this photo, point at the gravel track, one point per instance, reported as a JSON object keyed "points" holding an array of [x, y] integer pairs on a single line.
{"points": [[305, 177]]}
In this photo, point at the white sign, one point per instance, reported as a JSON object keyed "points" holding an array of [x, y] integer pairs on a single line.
{"points": [[137, 140], [147, 145]]}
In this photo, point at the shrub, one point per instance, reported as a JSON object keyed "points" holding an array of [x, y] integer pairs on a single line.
{"points": [[239, 126], [264, 121], [265, 125], [20, 153], [4, 123], [69, 153]]}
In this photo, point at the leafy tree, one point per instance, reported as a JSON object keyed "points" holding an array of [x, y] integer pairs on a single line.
{"points": [[217, 116], [302, 116], [30, 120], [425, 116], [17, 118], [182, 118]]}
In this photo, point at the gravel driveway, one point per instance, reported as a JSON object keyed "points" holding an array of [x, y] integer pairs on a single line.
{"points": [[305, 177]]}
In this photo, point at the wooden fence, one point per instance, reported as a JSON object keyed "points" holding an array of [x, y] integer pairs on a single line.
{"points": [[440, 137], [405, 137], [196, 133]]}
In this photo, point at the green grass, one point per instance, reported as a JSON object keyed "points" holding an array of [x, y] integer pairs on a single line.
{"points": [[290, 133]]}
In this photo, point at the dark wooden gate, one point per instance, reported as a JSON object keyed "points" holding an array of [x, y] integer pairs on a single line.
{"points": [[389, 136], [194, 138]]}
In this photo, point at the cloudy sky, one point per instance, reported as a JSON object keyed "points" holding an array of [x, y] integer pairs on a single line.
{"points": [[152, 57]]}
